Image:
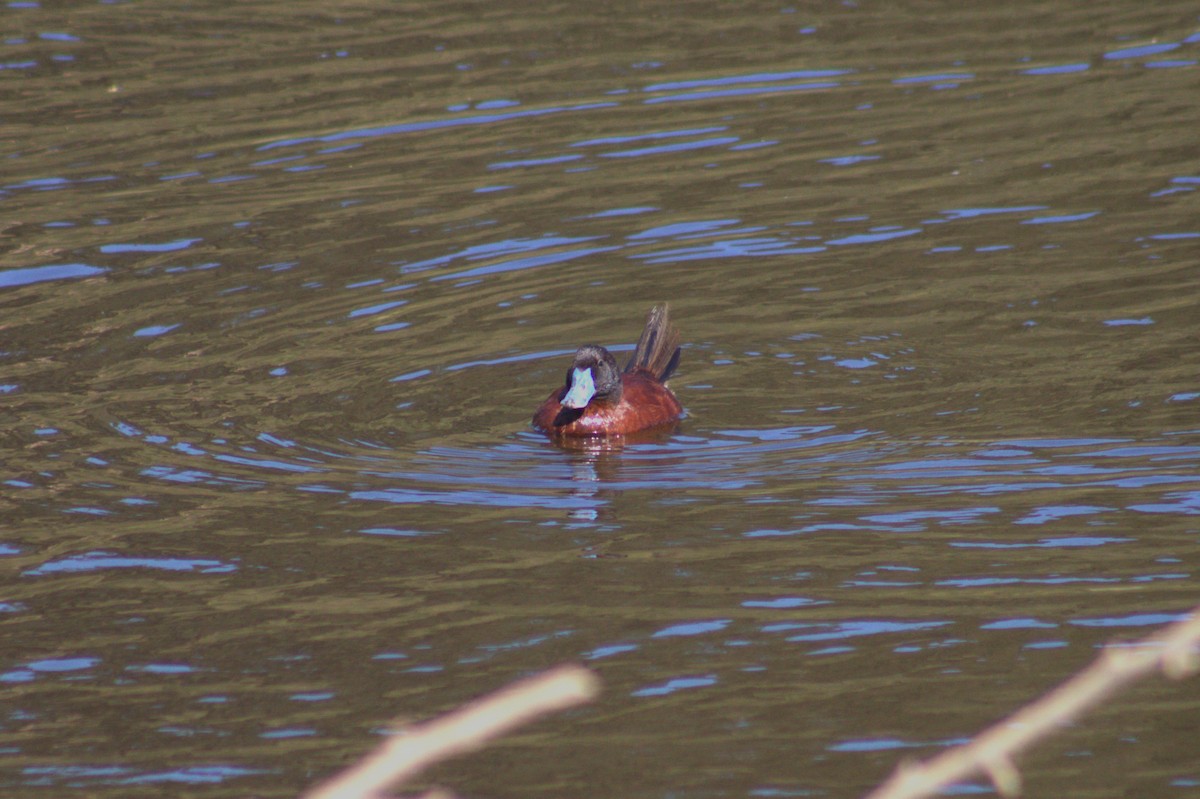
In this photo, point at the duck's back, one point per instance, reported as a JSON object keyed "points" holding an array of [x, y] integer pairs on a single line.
{"points": [[645, 401]]}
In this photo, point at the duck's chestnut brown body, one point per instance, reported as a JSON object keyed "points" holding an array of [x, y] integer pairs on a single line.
{"points": [[598, 401], [645, 402]]}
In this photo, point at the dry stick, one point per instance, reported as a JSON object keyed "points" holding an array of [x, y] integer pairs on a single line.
{"points": [[462, 730], [1173, 650]]}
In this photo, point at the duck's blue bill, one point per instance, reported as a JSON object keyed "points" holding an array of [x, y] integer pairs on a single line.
{"points": [[583, 388]]}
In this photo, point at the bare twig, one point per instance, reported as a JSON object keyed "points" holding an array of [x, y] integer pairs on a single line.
{"points": [[1172, 651], [468, 728]]}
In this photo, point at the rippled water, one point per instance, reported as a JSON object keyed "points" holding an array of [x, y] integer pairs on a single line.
{"points": [[283, 284]]}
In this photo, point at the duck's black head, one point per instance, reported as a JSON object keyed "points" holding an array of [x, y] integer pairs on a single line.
{"points": [[593, 375]]}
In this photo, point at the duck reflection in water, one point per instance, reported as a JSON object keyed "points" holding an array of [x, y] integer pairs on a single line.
{"points": [[597, 401]]}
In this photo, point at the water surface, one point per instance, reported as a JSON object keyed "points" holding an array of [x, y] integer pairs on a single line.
{"points": [[283, 285]]}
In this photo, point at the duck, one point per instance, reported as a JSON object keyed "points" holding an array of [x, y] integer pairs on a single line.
{"points": [[598, 401]]}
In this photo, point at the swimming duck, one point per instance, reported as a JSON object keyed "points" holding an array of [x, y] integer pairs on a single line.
{"points": [[597, 400]]}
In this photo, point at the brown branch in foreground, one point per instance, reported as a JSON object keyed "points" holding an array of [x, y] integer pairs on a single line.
{"points": [[463, 730], [1172, 651]]}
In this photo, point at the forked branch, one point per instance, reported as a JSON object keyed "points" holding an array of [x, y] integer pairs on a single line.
{"points": [[1173, 651]]}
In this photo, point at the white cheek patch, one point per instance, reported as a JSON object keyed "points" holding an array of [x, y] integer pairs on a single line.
{"points": [[583, 388]]}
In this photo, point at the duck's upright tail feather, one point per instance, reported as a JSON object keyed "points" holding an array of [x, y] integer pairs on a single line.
{"points": [[658, 348]]}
